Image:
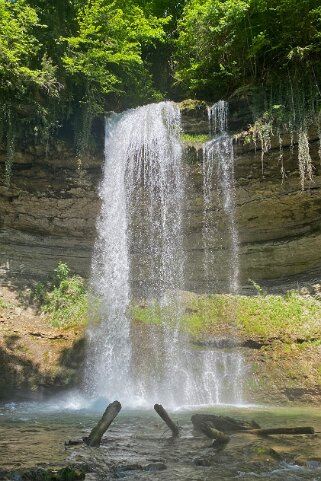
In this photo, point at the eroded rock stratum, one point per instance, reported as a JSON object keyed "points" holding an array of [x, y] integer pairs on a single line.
{"points": [[49, 214]]}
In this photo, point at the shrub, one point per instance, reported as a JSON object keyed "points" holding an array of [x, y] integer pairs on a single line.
{"points": [[63, 298]]}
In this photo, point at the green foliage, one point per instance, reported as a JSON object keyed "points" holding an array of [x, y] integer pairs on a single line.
{"points": [[63, 299], [264, 316], [109, 43], [208, 63], [27, 78], [248, 42], [69, 62], [194, 138], [265, 50], [63, 64], [105, 57], [17, 43]]}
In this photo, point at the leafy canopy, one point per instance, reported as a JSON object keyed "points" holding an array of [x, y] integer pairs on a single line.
{"points": [[226, 44], [19, 49], [64, 62], [109, 43]]}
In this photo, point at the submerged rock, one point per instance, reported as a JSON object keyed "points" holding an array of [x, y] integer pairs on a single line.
{"points": [[41, 474]]}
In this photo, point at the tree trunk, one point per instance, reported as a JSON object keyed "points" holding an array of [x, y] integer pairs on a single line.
{"points": [[165, 417], [212, 433], [94, 438]]}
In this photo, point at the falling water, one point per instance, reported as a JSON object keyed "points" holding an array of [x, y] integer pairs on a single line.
{"points": [[218, 185], [217, 118], [139, 258], [220, 240]]}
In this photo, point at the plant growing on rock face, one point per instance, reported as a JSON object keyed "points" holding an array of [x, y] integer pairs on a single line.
{"points": [[257, 287], [64, 298], [265, 50], [27, 79], [194, 138]]}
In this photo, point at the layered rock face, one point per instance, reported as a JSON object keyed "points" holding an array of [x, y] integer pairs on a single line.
{"points": [[279, 225], [49, 214]]}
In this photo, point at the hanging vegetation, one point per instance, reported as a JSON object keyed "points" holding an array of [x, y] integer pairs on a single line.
{"points": [[267, 50], [63, 64]]}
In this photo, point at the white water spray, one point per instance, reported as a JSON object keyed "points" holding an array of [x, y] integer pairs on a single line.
{"points": [[218, 178], [139, 252]]}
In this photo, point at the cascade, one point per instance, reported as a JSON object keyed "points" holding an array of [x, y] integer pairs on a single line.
{"points": [[139, 258], [218, 172]]}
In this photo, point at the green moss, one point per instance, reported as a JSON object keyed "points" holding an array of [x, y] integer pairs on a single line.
{"points": [[266, 317], [198, 315], [266, 451], [194, 138], [279, 316], [189, 105], [3, 305], [147, 314]]}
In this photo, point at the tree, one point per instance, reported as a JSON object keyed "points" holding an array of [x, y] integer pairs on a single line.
{"points": [[246, 42], [105, 57], [26, 79]]}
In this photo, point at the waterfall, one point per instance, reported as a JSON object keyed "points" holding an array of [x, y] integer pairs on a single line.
{"points": [[225, 367], [218, 172], [139, 258]]}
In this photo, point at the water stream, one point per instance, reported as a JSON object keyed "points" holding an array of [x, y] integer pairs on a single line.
{"points": [[138, 446], [218, 179], [139, 257]]}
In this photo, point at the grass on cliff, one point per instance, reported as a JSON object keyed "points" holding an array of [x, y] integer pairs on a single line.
{"points": [[288, 317], [194, 138], [63, 298]]}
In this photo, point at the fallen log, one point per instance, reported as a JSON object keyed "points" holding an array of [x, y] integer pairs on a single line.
{"points": [[287, 431], [225, 424], [94, 438], [212, 433], [165, 417]]}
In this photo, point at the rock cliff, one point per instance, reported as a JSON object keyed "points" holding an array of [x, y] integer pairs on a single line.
{"points": [[48, 213]]}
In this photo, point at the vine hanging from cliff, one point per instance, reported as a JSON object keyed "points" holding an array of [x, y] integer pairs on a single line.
{"points": [[297, 114]]}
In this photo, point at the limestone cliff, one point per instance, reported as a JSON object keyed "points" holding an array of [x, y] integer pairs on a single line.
{"points": [[49, 212]]}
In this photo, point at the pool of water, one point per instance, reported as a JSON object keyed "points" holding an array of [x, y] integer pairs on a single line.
{"points": [[138, 445]]}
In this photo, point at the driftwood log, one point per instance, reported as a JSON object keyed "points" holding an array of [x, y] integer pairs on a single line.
{"points": [[288, 431], [73, 442], [209, 423], [219, 438], [165, 417], [95, 437], [224, 424]]}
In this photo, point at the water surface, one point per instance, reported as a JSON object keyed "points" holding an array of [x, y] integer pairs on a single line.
{"points": [[138, 446]]}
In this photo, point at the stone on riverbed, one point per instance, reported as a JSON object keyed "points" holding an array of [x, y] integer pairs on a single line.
{"points": [[41, 474]]}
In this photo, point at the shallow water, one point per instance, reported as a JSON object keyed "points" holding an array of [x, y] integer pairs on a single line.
{"points": [[138, 445]]}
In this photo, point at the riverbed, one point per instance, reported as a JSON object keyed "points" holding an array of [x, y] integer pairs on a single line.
{"points": [[138, 446]]}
